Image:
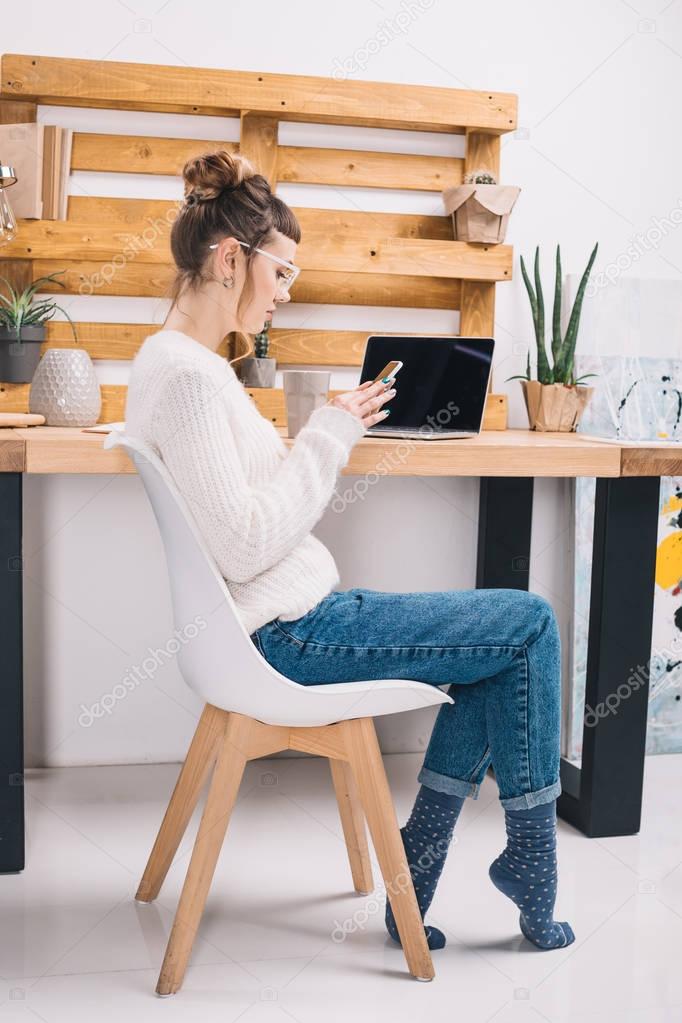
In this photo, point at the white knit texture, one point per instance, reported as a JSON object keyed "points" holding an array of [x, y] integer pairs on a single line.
{"points": [[254, 500]]}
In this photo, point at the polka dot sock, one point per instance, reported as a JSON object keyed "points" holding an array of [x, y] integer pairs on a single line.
{"points": [[526, 872], [426, 839]]}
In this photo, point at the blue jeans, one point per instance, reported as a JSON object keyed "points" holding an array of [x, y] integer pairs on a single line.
{"points": [[498, 650]]}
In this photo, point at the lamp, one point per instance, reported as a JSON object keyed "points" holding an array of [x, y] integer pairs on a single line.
{"points": [[8, 222]]}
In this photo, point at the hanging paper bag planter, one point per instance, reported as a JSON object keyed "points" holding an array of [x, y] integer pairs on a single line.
{"points": [[480, 211]]}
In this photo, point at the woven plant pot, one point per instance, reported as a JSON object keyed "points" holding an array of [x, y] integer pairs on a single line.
{"points": [[555, 407]]}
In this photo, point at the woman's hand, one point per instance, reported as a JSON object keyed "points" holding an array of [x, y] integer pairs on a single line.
{"points": [[365, 401]]}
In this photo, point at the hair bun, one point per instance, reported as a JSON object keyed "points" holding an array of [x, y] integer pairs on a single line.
{"points": [[208, 175]]}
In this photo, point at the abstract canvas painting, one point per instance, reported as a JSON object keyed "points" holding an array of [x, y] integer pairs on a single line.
{"points": [[631, 337]]}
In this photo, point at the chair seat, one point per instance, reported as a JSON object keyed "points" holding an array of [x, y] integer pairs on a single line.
{"points": [[304, 705]]}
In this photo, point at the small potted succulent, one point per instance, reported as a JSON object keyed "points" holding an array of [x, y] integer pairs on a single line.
{"points": [[480, 207], [556, 400], [22, 328], [258, 370]]}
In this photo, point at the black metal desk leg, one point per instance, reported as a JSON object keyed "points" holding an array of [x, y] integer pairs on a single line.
{"points": [[505, 517], [604, 797], [11, 677]]}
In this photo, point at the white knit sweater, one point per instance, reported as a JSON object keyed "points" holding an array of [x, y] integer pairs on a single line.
{"points": [[254, 499]]}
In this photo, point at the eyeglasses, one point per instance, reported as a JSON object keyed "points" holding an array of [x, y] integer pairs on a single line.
{"points": [[284, 280]]}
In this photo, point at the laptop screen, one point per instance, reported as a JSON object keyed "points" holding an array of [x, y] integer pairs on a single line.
{"points": [[443, 382]]}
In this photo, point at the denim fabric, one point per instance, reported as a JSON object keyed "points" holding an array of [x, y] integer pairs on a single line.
{"points": [[497, 650]]}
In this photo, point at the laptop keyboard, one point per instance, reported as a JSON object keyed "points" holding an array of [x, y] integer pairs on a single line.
{"points": [[407, 429]]}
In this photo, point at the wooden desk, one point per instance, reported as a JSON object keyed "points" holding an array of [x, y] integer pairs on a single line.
{"points": [[601, 798]]}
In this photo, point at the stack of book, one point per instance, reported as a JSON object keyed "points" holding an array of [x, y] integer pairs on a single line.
{"points": [[41, 157]]}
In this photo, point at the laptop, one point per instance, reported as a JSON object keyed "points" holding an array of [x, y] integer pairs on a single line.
{"points": [[440, 390]]}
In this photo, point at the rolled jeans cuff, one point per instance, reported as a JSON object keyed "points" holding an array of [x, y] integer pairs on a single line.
{"points": [[445, 783], [546, 795], [459, 787]]}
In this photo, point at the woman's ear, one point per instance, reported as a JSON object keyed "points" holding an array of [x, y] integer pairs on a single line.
{"points": [[226, 255]]}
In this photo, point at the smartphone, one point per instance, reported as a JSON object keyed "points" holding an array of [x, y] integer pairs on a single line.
{"points": [[389, 370]]}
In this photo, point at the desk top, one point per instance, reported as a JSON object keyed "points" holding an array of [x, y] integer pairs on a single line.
{"points": [[50, 449]]}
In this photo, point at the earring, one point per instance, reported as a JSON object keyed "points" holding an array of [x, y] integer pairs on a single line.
{"points": [[228, 282]]}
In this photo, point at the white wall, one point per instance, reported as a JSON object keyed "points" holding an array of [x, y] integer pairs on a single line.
{"points": [[597, 157]]}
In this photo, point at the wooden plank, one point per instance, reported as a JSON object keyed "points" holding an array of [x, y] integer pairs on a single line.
{"points": [[141, 154], [129, 86], [400, 291], [85, 278], [477, 309], [350, 167], [296, 347], [149, 244], [133, 212], [477, 313], [258, 138], [290, 346], [138, 154], [482, 152], [12, 447], [496, 412], [19, 272], [59, 239], [492, 453], [100, 340], [15, 398], [119, 341], [258, 143], [12, 112], [643, 461]]}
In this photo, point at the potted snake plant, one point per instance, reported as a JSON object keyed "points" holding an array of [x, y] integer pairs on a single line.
{"points": [[556, 400], [22, 328]]}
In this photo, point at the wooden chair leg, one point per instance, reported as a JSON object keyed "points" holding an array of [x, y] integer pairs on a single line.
{"points": [[227, 775], [198, 763], [364, 756], [353, 823]]}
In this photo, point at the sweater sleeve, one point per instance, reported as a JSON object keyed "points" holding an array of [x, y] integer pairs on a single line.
{"points": [[248, 529]]}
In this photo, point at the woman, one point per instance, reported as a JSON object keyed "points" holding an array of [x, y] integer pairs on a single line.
{"points": [[256, 502]]}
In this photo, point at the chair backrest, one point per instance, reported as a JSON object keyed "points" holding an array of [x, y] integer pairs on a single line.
{"points": [[217, 657]]}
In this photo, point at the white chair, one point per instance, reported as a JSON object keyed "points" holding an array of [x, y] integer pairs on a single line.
{"points": [[251, 710]]}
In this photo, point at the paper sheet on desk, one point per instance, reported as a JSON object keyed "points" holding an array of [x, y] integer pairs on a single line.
{"points": [[626, 442], [105, 427]]}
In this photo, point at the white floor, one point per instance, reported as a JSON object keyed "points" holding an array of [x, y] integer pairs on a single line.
{"points": [[74, 945]]}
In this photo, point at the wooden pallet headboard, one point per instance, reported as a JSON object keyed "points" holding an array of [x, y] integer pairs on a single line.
{"points": [[111, 246]]}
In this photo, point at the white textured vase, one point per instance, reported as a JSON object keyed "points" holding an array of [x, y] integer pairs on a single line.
{"points": [[65, 388]]}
